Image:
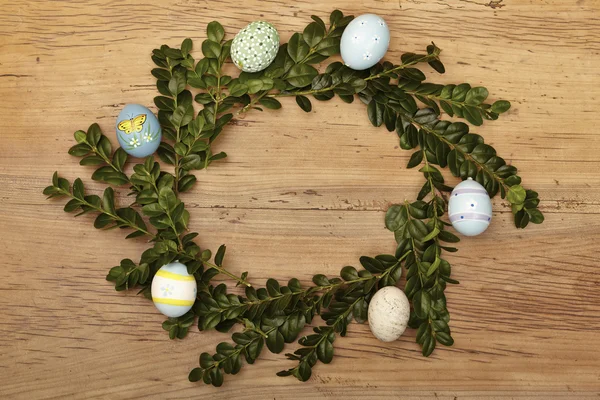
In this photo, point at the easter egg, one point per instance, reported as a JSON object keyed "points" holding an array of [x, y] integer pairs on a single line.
{"points": [[470, 208], [389, 311], [173, 290], [138, 130], [255, 46], [364, 41]]}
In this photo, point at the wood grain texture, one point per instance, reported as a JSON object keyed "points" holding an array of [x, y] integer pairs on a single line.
{"points": [[301, 194]]}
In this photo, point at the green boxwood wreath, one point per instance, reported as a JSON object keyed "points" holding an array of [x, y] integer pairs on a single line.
{"points": [[396, 96]]}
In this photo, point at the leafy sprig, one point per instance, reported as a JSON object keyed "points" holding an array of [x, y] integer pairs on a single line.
{"points": [[461, 100], [278, 313], [109, 216], [95, 148]]}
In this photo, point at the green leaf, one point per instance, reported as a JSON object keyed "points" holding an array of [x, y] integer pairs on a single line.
{"points": [[395, 217], [80, 150], [119, 159], [275, 341], [375, 113], [161, 74], [195, 374], [320, 280], [418, 229], [516, 194], [167, 199], [444, 338], [211, 49], [431, 234], [412, 74], [535, 216], [359, 311], [433, 266], [301, 75], [425, 116], [254, 85], [319, 21], [104, 147], [216, 377], [335, 17], [438, 66], [459, 93], [108, 201], [476, 96], [93, 134], [102, 220], [78, 190], [186, 47], [325, 351], [164, 103], [304, 372], [220, 255], [448, 237], [80, 136], [270, 103], [273, 288], [304, 103], [313, 33], [500, 106], [297, 48], [62, 183], [72, 205], [415, 159], [421, 304], [153, 210], [328, 47], [186, 183], [191, 161], [428, 346], [473, 115], [215, 31], [349, 273], [371, 264], [177, 84], [238, 89]]}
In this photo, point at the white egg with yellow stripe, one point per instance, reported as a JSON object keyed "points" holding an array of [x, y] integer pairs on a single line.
{"points": [[174, 290]]}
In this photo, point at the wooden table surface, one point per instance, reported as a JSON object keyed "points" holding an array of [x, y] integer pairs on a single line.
{"points": [[301, 194]]}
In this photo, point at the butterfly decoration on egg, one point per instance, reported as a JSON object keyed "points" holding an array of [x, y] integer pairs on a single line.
{"points": [[138, 130], [134, 124]]}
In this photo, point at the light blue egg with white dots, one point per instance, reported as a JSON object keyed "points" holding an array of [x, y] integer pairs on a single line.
{"points": [[138, 130], [174, 290], [364, 41], [470, 208]]}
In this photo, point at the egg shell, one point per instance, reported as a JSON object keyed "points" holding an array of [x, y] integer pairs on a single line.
{"points": [[146, 141], [255, 46], [389, 311], [173, 290], [470, 208], [364, 41]]}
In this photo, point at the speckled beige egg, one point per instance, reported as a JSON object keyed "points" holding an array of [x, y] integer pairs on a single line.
{"points": [[389, 311]]}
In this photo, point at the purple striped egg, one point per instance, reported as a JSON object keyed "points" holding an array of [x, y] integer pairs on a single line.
{"points": [[470, 208]]}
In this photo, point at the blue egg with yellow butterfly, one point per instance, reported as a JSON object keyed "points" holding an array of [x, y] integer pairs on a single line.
{"points": [[138, 130]]}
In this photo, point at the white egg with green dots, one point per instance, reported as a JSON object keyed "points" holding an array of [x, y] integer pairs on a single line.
{"points": [[470, 208], [173, 290], [254, 48]]}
